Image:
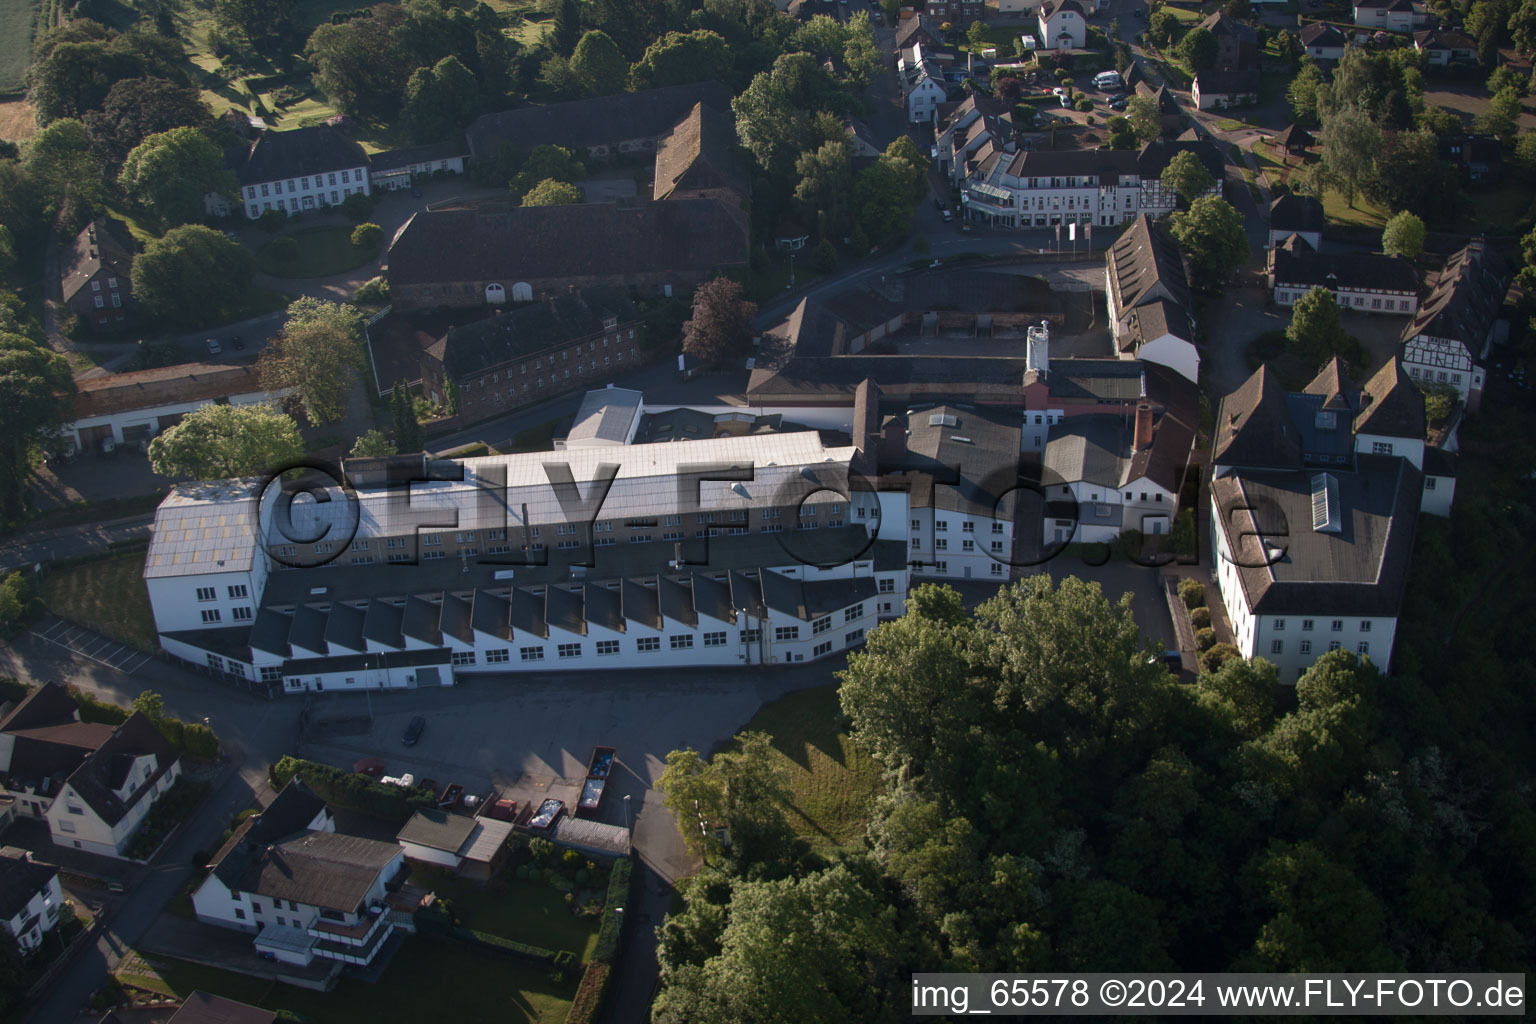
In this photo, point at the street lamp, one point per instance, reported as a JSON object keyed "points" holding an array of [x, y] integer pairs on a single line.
{"points": [[627, 825]]}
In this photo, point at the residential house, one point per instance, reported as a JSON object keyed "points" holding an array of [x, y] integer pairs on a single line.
{"points": [[574, 340], [132, 407], [474, 847], [1390, 15], [1237, 44], [919, 30], [1148, 297], [862, 143], [1364, 282], [92, 783], [1103, 477], [1222, 90], [697, 160], [1315, 497], [305, 891], [975, 127], [1170, 116], [963, 469], [1154, 159], [1017, 6], [201, 1008], [1063, 25], [1322, 41], [402, 168], [1291, 213], [30, 898], [1441, 47], [96, 274], [922, 84], [1447, 342], [956, 12], [298, 171], [490, 252], [602, 128], [1479, 158]]}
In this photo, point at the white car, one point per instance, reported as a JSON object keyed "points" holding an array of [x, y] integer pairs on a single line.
{"points": [[214, 348]]}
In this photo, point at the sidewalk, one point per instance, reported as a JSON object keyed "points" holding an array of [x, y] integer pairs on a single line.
{"points": [[71, 541]]}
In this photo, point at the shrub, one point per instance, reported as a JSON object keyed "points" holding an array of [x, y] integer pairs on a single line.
{"points": [[374, 292], [351, 790], [589, 994], [367, 235], [540, 849], [1084, 105], [12, 690], [1205, 638], [1214, 658], [357, 207], [1200, 618], [609, 931], [200, 741], [272, 221], [1191, 592], [284, 249], [94, 709]]}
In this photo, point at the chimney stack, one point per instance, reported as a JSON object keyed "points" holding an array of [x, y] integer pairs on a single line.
{"points": [[1143, 426]]}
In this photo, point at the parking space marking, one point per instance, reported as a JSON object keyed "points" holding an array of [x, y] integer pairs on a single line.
{"points": [[101, 649]]}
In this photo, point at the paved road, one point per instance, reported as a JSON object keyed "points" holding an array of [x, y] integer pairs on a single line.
{"points": [[70, 541]]}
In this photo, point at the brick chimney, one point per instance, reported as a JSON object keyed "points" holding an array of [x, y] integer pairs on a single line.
{"points": [[1143, 437]]}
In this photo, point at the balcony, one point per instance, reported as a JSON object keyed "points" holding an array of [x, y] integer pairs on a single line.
{"points": [[346, 934], [353, 954], [989, 199]]}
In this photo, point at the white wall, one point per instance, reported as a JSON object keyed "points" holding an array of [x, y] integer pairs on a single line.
{"points": [[120, 421], [44, 906], [1392, 303], [309, 193], [1175, 353], [1439, 493], [176, 605], [429, 855]]}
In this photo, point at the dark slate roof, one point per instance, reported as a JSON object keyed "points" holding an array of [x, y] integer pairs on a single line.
{"points": [[49, 704], [1254, 426], [1439, 462], [1154, 319], [430, 153], [605, 120], [1295, 262], [1156, 155], [381, 624], [493, 241], [269, 631], [528, 612], [492, 615], [1091, 449], [909, 28], [1218, 24], [437, 830], [344, 627], [783, 594], [1108, 164], [1439, 39], [747, 594], [202, 1008], [455, 619], [603, 607], [292, 811], [564, 609], [298, 153], [1050, 8], [420, 621], [641, 604], [474, 348], [1333, 385], [1358, 571], [1391, 404], [675, 598], [21, 878], [700, 153], [1104, 380], [1226, 83], [825, 596], [712, 597], [320, 869], [971, 466], [104, 770], [1292, 211], [1320, 33], [1465, 298], [1143, 263], [103, 244], [1294, 137], [308, 629]]}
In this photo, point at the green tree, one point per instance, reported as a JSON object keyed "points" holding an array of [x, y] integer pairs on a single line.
{"points": [[1199, 49], [358, 207], [1121, 134], [978, 35], [678, 58], [825, 186], [151, 705], [550, 192], [1501, 116], [1316, 329], [886, 193], [740, 791], [598, 65], [362, 65], [1187, 177], [219, 441], [1321, 917], [1145, 120], [262, 22], [1350, 143], [36, 396], [402, 409], [721, 326], [171, 172], [137, 108], [547, 163], [440, 100], [317, 356], [75, 65], [66, 169], [1302, 93], [776, 114], [567, 27], [367, 235], [493, 55], [1163, 25], [824, 256], [1403, 236], [192, 276], [1243, 692], [372, 445], [1213, 238], [1411, 176]]}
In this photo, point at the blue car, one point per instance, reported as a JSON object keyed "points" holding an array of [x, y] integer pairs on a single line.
{"points": [[414, 730]]}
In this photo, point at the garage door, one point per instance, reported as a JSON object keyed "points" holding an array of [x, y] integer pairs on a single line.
{"points": [[91, 437]]}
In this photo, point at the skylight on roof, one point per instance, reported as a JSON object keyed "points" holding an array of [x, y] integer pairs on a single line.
{"points": [[1327, 513], [941, 419]]}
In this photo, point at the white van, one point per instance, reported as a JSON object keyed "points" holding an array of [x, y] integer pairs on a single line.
{"points": [[1107, 80]]}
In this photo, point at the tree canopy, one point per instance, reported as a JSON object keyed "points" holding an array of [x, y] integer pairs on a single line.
{"points": [[721, 325], [170, 173], [192, 276], [550, 192], [36, 396], [1403, 236], [219, 441], [1187, 176], [1213, 238], [598, 64], [678, 58], [1316, 329], [317, 356]]}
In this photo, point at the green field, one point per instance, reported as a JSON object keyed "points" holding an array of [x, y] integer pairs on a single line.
{"points": [[1365, 213], [323, 251], [832, 783], [104, 593], [16, 21], [523, 912]]}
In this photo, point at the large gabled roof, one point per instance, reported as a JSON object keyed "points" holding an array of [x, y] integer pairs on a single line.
{"points": [[604, 120], [299, 153], [700, 153], [103, 244], [1144, 263], [522, 331], [1254, 427], [1391, 404], [1464, 298]]}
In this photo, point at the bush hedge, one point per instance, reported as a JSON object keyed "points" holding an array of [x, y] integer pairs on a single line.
{"points": [[352, 790], [589, 994], [612, 926], [1191, 592], [173, 807], [1200, 618]]}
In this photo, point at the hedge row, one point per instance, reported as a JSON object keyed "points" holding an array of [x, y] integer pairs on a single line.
{"points": [[589, 994], [352, 790], [608, 932], [193, 737]]}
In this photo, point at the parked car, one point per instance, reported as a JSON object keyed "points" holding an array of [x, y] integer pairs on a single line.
{"points": [[1118, 103], [413, 731], [214, 348], [238, 342], [947, 216]]}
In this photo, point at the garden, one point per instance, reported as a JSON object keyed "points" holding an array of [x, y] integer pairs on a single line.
{"points": [[320, 251]]}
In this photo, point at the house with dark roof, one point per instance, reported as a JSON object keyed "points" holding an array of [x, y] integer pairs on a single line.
{"points": [[96, 274], [475, 847], [1223, 90], [529, 353], [1148, 297], [202, 1008], [1315, 498], [919, 30], [602, 128], [1291, 213], [1447, 342], [30, 898], [1480, 158], [130, 408], [971, 124], [490, 252], [297, 171], [1322, 41], [1363, 281], [1237, 44], [1063, 25], [92, 783], [305, 891], [697, 160], [1441, 47], [401, 168], [1295, 139]]}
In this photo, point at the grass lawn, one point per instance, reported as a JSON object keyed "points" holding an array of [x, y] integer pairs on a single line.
{"points": [[525, 912], [107, 592], [140, 230], [323, 250], [1364, 213], [17, 18], [484, 987], [1499, 210], [1184, 15], [832, 782]]}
